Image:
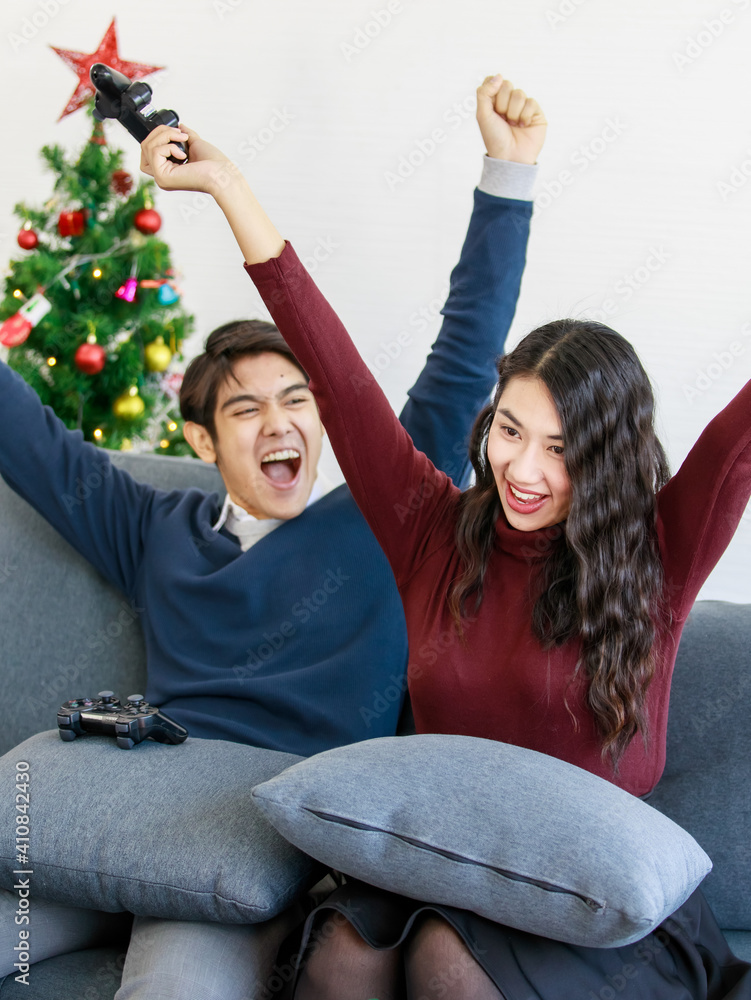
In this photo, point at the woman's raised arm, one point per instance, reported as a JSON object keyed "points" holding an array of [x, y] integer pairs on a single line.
{"points": [[396, 486]]}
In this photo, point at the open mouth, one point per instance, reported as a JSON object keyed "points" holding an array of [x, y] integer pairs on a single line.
{"points": [[282, 467], [526, 497], [523, 502]]}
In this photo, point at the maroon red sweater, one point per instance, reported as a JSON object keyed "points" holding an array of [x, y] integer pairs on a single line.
{"points": [[501, 684]]}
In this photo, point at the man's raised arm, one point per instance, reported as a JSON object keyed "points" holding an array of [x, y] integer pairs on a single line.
{"points": [[460, 373]]}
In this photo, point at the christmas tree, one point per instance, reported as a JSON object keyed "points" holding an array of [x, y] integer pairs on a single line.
{"points": [[91, 311]]}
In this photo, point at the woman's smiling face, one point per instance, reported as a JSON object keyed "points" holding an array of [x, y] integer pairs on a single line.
{"points": [[525, 452]]}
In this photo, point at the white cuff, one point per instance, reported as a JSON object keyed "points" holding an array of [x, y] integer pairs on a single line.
{"points": [[506, 179]]}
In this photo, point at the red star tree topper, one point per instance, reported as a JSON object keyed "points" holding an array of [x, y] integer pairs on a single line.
{"points": [[90, 314], [81, 63]]}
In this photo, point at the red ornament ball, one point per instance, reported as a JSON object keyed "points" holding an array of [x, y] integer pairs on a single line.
{"points": [[27, 239], [147, 221], [122, 182], [15, 330], [71, 223], [90, 358]]}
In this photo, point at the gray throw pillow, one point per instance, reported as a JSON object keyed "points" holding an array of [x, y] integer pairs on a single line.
{"points": [[158, 830], [516, 836]]}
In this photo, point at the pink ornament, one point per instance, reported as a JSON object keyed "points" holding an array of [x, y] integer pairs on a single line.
{"points": [[171, 384], [127, 292]]}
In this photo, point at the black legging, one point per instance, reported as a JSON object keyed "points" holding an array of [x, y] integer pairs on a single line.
{"points": [[432, 964]]}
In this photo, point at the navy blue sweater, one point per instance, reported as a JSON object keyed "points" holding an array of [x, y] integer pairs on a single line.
{"points": [[298, 644]]}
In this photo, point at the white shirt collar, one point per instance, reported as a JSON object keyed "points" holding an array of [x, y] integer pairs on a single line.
{"points": [[249, 529]]}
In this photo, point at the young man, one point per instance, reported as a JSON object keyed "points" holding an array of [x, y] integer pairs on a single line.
{"points": [[273, 619]]}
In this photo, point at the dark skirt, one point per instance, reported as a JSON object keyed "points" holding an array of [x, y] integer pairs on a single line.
{"points": [[685, 958]]}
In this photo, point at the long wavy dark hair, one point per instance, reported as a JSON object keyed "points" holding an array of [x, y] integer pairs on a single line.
{"points": [[602, 583]]}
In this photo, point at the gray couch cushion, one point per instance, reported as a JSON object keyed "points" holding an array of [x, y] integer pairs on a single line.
{"points": [[706, 787], [517, 836], [93, 974], [158, 830], [53, 605]]}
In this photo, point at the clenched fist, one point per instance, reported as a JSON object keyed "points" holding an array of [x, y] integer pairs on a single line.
{"points": [[512, 124]]}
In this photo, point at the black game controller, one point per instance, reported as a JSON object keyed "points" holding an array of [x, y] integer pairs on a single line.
{"points": [[129, 724], [130, 103]]}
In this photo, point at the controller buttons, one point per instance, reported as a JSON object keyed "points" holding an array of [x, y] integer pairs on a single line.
{"points": [[136, 704], [108, 701]]}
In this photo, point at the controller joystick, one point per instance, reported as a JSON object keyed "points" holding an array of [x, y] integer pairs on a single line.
{"points": [[130, 103], [129, 724]]}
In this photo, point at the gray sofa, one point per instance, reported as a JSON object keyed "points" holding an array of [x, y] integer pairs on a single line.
{"points": [[54, 609]]}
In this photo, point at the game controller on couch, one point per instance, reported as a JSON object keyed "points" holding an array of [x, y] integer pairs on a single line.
{"points": [[130, 723]]}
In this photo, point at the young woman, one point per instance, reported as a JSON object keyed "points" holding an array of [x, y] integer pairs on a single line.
{"points": [[558, 586]]}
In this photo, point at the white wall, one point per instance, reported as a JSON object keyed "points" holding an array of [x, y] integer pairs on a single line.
{"points": [[672, 76]]}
